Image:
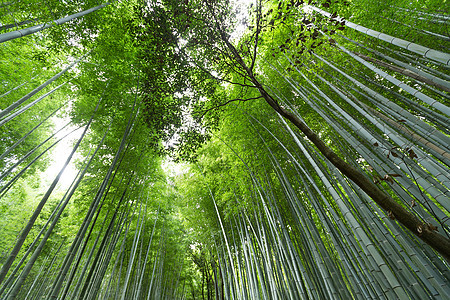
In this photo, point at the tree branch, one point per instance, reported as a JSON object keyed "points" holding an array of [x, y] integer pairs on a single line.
{"points": [[258, 30], [228, 102], [422, 230]]}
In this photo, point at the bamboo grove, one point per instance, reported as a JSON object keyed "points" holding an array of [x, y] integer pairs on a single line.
{"points": [[225, 149]]}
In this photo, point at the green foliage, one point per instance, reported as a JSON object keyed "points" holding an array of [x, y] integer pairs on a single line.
{"points": [[258, 210]]}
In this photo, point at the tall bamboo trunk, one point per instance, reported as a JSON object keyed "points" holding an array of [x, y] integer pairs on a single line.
{"points": [[27, 31]]}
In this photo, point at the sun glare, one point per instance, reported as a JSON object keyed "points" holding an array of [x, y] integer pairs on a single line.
{"points": [[60, 153]]}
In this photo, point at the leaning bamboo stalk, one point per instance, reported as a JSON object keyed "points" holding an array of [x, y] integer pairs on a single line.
{"points": [[403, 114], [438, 16], [16, 288], [435, 55], [146, 257], [440, 121], [408, 184], [40, 272], [39, 291], [434, 169], [69, 257], [12, 147], [26, 107], [99, 268], [137, 234], [383, 167], [319, 256], [409, 220], [363, 238], [128, 220], [438, 82], [27, 31], [419, 95], [412, 261], [38, 209], [79, 180], [429, 164], [101, 194], [19, 86], [94, 263], [4, 189], [367, 135], [9, 282], [316, 238], [158, 257], [354, 203], [8, 26], [115, 239], [402, 71], [101, 262], [414, 61], [408, 132], [31, 152], [440, 36], [7, 110], [86, 262]]}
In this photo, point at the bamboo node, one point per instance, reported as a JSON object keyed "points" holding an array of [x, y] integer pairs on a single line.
{"points": [[420, 229]]}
